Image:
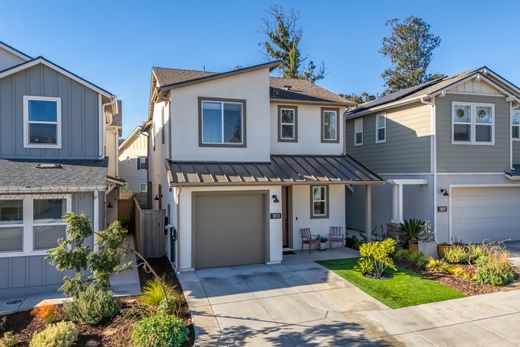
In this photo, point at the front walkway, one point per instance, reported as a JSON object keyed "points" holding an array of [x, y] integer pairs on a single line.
{"points": [[300, 303]]}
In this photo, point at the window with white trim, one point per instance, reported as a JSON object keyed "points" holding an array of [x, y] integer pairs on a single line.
{"points": [[320, 202], [515, 124], [142, 163], [329, 125], [222, 122], [32, 224], [42, 122], [381, 128], [287, 127], [358, 132], [473, 123]]}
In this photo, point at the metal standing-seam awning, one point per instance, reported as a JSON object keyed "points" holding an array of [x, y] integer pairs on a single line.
{"points": [[282, 169]]}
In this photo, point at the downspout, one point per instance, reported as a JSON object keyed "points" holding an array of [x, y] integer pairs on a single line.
{"points": [[112, 101], [433, 154], [511, 132]]}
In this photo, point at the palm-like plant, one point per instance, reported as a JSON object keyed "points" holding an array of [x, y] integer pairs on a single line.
{"points": [[412, 228]]}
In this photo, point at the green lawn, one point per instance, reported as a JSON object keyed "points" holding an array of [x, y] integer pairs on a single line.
{"points": [[404, 288]]}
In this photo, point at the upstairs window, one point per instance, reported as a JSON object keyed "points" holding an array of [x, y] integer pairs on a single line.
{"points": [[515, 123], [381, 128], [329, 125], [42, 122], [287, 124], [142, 163], [358, 132], [473, 123], [222, 122]]}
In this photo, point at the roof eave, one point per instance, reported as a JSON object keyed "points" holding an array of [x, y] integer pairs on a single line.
{"points": [[272, 183], [386, 106], [312, 102]]}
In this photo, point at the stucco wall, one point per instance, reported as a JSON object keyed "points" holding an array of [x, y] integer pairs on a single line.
{"points": [[252, 87], [309, 132]]}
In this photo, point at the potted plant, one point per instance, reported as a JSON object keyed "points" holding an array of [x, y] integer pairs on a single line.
{"points": [[442, 248], [323, 243], [412, 228]]}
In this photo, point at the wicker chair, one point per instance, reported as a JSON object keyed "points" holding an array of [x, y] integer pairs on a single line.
{"points": [[308, 238], [336, 235]]}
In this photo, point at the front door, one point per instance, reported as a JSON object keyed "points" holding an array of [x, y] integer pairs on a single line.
{"points": [[285, 216]]}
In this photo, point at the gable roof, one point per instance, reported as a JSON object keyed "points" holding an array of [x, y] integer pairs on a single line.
{"points": [[14, 51], [433, 88], [41, 60], [124, 143], [293, 89]]}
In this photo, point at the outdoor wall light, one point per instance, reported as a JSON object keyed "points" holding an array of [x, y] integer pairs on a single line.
{"points": [[445, 192], [157, 197], [275, 198], [110, 204]]}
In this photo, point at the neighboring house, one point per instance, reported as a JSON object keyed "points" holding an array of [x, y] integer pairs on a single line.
{"points": [[133, 161], [448, 148], [241, 161], [55, 157]]}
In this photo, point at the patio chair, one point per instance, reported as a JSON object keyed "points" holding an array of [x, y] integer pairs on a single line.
{"points": [[336, 235], [308, 238]]}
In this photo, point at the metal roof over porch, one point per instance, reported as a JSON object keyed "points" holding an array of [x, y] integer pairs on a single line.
{"points": [[281, 170]]}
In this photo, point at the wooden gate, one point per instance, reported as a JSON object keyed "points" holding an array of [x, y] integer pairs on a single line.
{"points": [[149, 231]]}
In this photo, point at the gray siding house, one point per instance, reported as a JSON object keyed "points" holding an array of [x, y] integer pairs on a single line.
{"points": [[54, 159], [448, 149]]}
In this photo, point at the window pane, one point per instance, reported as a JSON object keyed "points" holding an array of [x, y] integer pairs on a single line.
{"points": [[329, 125], [516, 117], [232, 123], [11, 239], [380, 122], [43, 111], [287, 131], [359, 137], [484, 115], [212, 122], [461, 132], [483, 133], [43, 133], [318, 193], [48, 211], [516, 132], [46, 237], [287, 116], [462, 114], [11, 212], [319, 208], [381, 134]]}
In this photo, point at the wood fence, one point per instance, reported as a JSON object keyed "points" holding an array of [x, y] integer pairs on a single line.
{"points": [[149, 231]]}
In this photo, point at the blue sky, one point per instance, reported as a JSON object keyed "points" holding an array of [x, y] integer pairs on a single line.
{"points": [[115, 43]]}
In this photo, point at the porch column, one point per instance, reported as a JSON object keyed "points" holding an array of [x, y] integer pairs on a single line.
{"points": [[368, 211], [397, 203]]}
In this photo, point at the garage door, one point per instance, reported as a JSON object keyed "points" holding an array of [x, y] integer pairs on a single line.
{"points": [[485, 214], [229, 228]]}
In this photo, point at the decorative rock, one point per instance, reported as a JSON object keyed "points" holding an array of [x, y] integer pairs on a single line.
{"points": [[92, 343]]}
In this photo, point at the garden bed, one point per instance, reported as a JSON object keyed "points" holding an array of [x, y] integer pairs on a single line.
{"points": [[24, 325]]}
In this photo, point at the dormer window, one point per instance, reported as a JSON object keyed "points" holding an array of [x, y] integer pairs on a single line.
{"points": [[221, 122], [42, 122]]}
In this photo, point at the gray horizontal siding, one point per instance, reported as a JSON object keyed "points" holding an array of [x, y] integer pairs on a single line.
{"points": [[516, 152], [79, 113], [30, 274], [472, 158], [408, 141]]}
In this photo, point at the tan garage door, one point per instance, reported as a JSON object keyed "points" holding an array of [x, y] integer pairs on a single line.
{"points": [[229, 228], [487, 213]]}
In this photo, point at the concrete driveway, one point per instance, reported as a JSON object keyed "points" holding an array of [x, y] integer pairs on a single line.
{"points": [[300, 303]]}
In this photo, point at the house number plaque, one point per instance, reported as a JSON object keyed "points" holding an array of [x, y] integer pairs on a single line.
{"points": [[276, 215]]}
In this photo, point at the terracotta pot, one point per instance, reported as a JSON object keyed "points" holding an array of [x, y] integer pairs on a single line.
{"points": [[442, 248], [413, 247]]}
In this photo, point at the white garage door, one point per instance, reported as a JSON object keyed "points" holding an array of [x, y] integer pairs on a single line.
{"points": [[485, 214]]}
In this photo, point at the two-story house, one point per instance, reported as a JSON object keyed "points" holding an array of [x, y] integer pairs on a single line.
{"points": [[133, 152], [448, 148], [58, 153], [241, 161]]}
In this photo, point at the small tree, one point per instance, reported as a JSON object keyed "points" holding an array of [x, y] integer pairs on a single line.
{"points": [[376, 257], [73, 254]]}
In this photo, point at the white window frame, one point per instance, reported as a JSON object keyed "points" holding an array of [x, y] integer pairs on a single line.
{"points": [[381, 115], [358, 128], [26, 122], [28, 223], [515, 126], [473, 123], [222, 143], [325, 200], [282, 123], [335, 138]]}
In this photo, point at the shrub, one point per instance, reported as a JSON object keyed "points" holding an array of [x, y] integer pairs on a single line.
{"points": [[457, 254], [352, 242], [411, 227], [495, 269], [402, 255], [8, 340], [476, 253], [62, 334], [160, 331], [92, 306], [46, 313], [158, 292], [418, 259], [378, 253], [437, 265]]}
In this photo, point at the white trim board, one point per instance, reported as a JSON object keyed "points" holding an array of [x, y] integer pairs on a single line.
{"points": [[26, 122]]}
